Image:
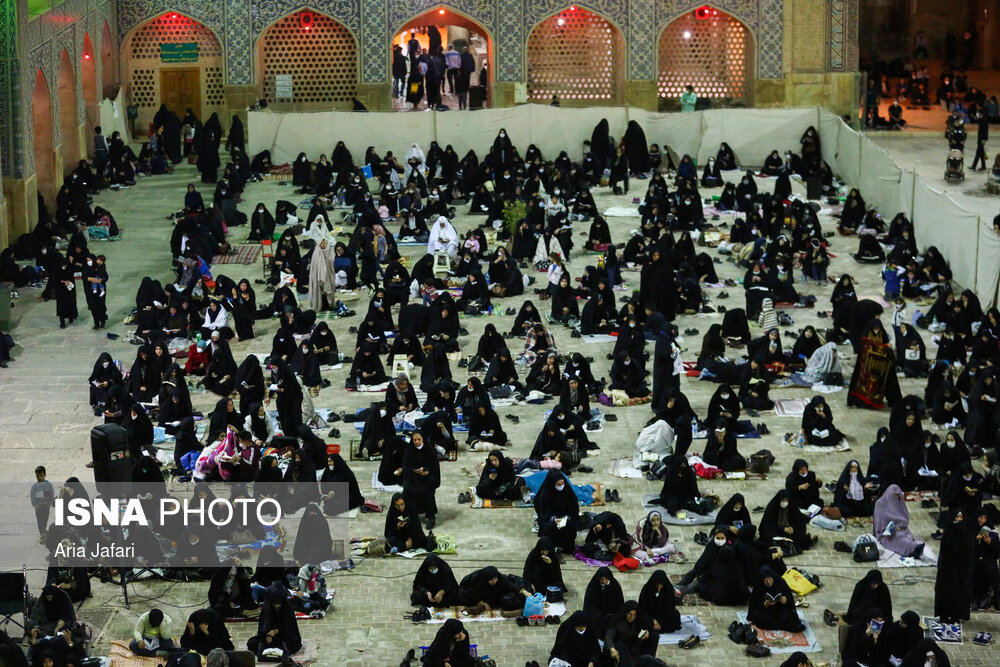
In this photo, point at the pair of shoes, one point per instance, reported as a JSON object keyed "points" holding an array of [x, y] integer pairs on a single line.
{"points": [[510, 311], [689, 642], [464, 497], [763, 429], [334, 433], [690, 332], [937, 534], [514, 418], [463, 332], [842, 547], [983, 639], [829, 618], [701, 538], [615, 498], [791, 334], [585, 469], [927, 504], [462, 363], [722, 295], [521, 621], [431, 522], [410, 656], [551, 620]]}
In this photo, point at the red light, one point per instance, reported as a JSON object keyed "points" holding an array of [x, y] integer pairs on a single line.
{"points": [[173, 16], [572, 8], [86, 56], [440, 11], [306, 20], [705, 12]]}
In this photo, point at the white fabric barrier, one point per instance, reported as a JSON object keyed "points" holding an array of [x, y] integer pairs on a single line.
{"points": [[987, 263], [754, 133], [880, 182], [939, 221], [847, 164], [555, 129], [680, 131], [112, 117]]}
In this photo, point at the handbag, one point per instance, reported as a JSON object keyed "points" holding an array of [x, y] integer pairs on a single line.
{"points": [[534, 605], [760, 462], [757, 651], [865, 550]]}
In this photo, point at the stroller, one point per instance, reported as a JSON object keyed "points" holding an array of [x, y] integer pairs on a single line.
{"points": [[956, 133], [954, 170]]}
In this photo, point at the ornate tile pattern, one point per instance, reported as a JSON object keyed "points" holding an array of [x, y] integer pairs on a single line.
{"points": [[210, 12], [510, 50], [483, 12], [8, 92], [374, 40], [642, 41], [835, 19], [238, 43], [765, 18]]}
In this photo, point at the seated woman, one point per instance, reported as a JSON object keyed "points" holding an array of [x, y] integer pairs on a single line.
{"points": [[772, 604], [487, 589], [630, 635], [400, 397], [784, 525], [498, 481], [602, 598], [230, 591], [657, 603], [450, 647], [852, 495], [205, 631], [772, 164], [501, 372], [485, 429], [710, 176], [755, 386], [545, 375], [541, 567], [558, 510], [721, 450], [803, 486], [403, 531], [574, 399], [723, 582], [576, 642], [805, 345], [817, 424], [338, 472], [911, 355], [892, 524], [52, 611], [734, 514], [277, 627], [680, 487], [628, 375], [434, 585], [869, 592], [651, 539], [767, 347], [367, 368], [564, 305]]}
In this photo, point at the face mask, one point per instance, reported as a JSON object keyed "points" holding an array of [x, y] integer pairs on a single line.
{"points": [[90, 263], [503, 134], [784, 504], [432, 570], [580, 632], [260, 210], [105, 364], [631, 325], [381, 413], [719, 541], [967, 478], [951, 444], [927, 445], [560, 487], [803, 474]]}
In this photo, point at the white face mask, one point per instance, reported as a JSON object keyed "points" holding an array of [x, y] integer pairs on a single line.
{"points": [[784, 504], [89, 263], [631, 325], [967, 478], [381, 413], [560, 487], [951, 444], [105, 364], [579, 631], [719, 541], [503, 134], [432, 570]]}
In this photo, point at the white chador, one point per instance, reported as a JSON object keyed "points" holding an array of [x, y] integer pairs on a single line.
{"points": [[443, 237]]}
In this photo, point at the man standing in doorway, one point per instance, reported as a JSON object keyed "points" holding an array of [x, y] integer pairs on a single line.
{"points": [[413, 49], [398, 71], [453, 60], [688, 98]]}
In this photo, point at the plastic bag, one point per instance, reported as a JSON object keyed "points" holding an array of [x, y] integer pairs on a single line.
{"points": [[798, 583], [534, 606]]}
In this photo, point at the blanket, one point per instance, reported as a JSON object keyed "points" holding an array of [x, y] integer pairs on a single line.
{"points": [[949, 633], [244, 254], [379, 486], [690, 625], [781, 641], [798, 442], [790, 407], [744, 429], [888, 558], [273, 537], [624, 468], [598, 338], [595, 562]]}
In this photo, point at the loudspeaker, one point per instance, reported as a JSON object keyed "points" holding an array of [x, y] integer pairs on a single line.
{"points": [[111, 456]]}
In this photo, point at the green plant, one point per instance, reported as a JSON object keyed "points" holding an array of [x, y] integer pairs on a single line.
{"points": [[513, 213]]}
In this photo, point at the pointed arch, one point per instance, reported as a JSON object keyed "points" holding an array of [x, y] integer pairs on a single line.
{"points": [[577, 54], [69, 127], [321, 59], [109, 79], [42, 134], [88, 81]]}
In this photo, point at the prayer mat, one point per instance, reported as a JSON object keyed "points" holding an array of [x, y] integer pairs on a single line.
{"points": [[598, 338], [274, 536], [798, 442], [651, 502], [790, 407], [782, 641], [888, 558], [597, 499], [745, 430], [355, 455], [622, 212], [623, 468], [949, 633], [243, 254], [594, 562], [379, 486], [690, 625], [371, 388], [442, 614]]}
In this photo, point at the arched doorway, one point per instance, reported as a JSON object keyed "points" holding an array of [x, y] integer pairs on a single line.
{"points": [[69, 126], [308, 61], [174, 60], [709, 50], [41, 125], [88, 78], [108, 80], [448, 27], [577, 55]]}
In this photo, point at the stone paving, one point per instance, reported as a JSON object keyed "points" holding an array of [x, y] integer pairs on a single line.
{"points": [[45, 418]]}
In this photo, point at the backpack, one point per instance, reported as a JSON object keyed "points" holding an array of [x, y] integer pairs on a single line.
{"points": [[742, 633]]}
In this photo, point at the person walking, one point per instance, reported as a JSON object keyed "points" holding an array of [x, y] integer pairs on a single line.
{"points": [[398, 71], [982, 136], [453, 62]]}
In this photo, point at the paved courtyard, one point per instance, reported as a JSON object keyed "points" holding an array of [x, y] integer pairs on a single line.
{"points": [[45, 418]]}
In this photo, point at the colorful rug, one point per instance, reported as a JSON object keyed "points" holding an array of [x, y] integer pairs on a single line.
{"points": [[949, 633], [782, 641], [888, 558], [595, 562], [244, 254], [440, 615], [790, 407]]}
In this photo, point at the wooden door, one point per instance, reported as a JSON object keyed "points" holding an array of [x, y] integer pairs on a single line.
{"points": [[180, 88]]}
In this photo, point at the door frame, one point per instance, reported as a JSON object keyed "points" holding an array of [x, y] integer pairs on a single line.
{"points": [[164, 71]]}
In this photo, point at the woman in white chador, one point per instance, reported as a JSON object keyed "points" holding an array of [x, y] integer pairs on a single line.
{"points": [[319, 230], [414, 152], [322, 277], [443, 237]]}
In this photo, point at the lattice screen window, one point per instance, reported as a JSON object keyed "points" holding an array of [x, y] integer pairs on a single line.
{"points": [[214, 91], [576, 55], [173, 29], [712, 55], [144, 88], [322, 60]]}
